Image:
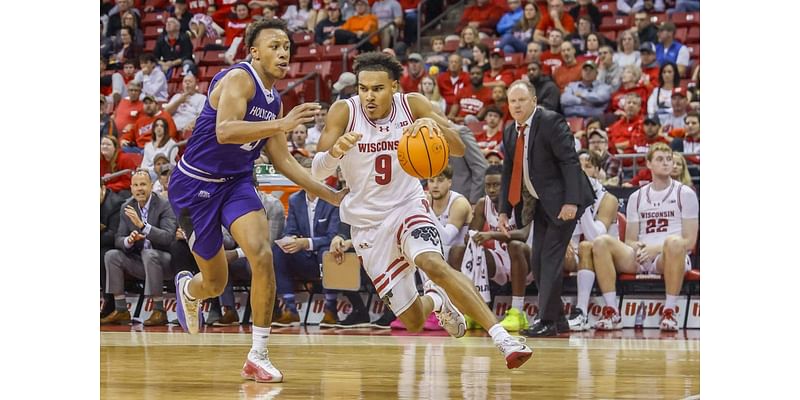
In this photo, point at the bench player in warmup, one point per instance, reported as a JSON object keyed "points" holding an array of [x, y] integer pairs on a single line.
{"points": [[392, 226], [212, 184], [506, 257], [662, 225], [598, 219]]}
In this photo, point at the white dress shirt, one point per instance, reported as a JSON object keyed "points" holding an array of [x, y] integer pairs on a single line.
{"points": [[526, 175], [311, 206]]}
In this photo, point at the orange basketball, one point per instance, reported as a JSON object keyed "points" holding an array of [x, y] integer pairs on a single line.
{"points": [[422, 156]]}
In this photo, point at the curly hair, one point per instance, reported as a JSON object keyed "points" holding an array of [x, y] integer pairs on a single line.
{"points": [[256, 27], [375, 61]]}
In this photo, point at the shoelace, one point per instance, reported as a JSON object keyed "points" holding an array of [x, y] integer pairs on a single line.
{"points": [[512, 341]]}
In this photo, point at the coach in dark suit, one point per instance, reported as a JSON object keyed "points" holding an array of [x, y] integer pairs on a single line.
{"points": [[310, 226], [547, 167], [147, 228]]}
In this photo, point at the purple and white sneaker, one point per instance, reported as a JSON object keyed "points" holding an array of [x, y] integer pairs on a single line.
{"points": [[189, 315]]}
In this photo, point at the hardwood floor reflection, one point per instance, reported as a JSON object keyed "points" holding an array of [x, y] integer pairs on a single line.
{"points": [[146, 365]]}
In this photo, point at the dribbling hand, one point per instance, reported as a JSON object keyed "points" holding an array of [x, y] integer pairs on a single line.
{"points": [[433, 128], [302, 114]]}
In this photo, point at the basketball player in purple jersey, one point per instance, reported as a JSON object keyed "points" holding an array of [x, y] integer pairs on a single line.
{"points": [[212, 185]]}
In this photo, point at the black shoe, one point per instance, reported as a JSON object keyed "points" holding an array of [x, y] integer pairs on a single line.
{"points": [[356, 319], [562, 325], [541, 330], [384, 321]]}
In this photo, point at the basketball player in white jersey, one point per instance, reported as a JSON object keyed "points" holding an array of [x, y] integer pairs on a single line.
{"points": [[598, 219], [662, 226], [451, 208], [392, 226], [506, 257]]}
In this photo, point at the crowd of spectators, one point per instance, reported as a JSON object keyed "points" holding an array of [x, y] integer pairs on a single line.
{"points": [[621, 90]]}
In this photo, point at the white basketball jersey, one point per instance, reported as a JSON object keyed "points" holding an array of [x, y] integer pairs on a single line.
{"points": [[493, 217], [599, 193], [452, 196], [660, 214], [377, 182]]}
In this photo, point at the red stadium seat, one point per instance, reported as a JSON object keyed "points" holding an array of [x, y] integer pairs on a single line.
{"points": [[692, 275], [149, 46], [607, 9], [213, 57], [212, 44], [693, 36], [294, 70], [451, 46], [323, 68], [491, 42], [152, 32], [611, 36], [681, 34], [302, 39], [154, 19], [202, 87], [514, 59], [173, 87], [307, 53], [657, 19], [334, 52], [615, 23], [686, 19], [207, 73]]}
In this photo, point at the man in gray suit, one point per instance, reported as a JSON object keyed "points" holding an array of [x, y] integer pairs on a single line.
{"points": [[468, 171], [146, 230]]}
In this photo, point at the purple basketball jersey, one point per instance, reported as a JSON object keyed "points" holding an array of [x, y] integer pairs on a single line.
{"points": [[205, 156]]}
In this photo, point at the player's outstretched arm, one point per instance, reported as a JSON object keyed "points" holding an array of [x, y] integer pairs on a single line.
{"points": [[231, 96], [286, 164], [422, 108]]}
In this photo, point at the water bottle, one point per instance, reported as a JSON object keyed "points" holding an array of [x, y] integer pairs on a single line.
{"points": [[640, 313]]}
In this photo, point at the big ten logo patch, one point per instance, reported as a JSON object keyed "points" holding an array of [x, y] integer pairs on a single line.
{"points": [[595, 309], [652, 308], [694, 314], [376, 307]]}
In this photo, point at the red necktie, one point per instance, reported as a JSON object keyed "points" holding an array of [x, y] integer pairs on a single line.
{"points": [[516, 172]]}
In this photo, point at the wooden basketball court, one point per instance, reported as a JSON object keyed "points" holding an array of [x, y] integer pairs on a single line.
{"points": [[375, 364]]}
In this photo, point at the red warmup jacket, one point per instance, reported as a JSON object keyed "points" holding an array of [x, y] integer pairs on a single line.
{"points": [[447, 88], [487, 16], [124, 161]]}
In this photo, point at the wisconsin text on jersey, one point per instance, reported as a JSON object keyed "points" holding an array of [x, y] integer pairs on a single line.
{"points": [[379, 146], [656, 214]]}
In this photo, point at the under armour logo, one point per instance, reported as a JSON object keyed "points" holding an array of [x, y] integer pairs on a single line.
{"points": [[203, 194], [383, 129], [363, 246]]}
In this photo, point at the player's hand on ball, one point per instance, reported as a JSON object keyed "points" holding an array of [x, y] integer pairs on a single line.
{"points": [[430, 124], [344, 144], [302, 114]]}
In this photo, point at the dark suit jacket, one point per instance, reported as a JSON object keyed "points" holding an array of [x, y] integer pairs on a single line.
{"points": [[553, 165], [109, 216], [325, 215], [159, 216]]}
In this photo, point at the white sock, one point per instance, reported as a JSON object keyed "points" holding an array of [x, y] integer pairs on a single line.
{"points": [[585, 283], [671, 301], [437, 300], [611, 300], [260, 337], [498, 333], [518, 302], [186, 293]]}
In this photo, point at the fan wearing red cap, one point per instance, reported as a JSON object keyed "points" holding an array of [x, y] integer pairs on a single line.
{"points": [[497, 75]]}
